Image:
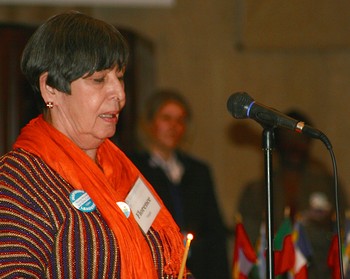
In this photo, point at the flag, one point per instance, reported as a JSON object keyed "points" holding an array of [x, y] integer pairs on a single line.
{"points": [[333, 258], [300, 265], [261, 252], [244, 256], [346, 246], [303, 251], [284, 248]]}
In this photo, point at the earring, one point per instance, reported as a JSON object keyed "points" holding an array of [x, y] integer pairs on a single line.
{"points": [[49, 105]]}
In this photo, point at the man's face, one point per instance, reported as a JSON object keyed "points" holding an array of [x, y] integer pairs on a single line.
{"points": [[169, 125]]}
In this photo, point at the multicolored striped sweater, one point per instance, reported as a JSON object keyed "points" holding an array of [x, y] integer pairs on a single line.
{"points": [[43, 236]]}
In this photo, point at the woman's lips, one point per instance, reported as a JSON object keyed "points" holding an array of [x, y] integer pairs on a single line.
{"points": [[108, 115]]}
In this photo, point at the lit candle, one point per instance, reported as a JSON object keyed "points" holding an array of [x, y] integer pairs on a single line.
{"points": [[184, 259]]}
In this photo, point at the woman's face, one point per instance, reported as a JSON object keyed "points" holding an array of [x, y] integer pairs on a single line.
{"points": [[168, 126], [90, 113]]}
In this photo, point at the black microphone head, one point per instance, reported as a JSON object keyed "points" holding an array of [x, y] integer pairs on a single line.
{"points": [[238, 104]]}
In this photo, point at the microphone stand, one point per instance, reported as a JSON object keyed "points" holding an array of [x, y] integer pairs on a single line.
{"points": [[268, 146]]}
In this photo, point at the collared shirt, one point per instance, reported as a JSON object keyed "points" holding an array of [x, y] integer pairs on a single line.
{"points": [[172, 167]]}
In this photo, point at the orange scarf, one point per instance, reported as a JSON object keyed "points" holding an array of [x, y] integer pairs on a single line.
{"points": [[106, 188]]}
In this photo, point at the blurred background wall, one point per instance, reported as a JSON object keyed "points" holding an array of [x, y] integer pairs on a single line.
{"points": [[285, 54]]}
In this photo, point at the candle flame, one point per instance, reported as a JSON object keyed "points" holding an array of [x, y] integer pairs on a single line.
{"points": [[189, 236]]}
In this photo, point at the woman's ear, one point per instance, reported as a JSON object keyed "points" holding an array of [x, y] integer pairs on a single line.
{"points": [[47, 92]]}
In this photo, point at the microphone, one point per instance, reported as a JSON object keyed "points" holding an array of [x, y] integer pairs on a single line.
{"points": [[242, 106]]}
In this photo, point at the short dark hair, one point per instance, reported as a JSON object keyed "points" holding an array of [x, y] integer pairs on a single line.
{"points": [[163, 96], [70, 45]]}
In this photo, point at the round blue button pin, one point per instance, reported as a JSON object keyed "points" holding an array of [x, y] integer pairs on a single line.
{"points": [[82, 201]]}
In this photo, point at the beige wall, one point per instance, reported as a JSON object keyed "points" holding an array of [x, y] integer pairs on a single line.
{"points": [[283, 54]]}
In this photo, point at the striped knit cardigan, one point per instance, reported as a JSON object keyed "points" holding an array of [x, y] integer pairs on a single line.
{"points": [[43, 236]]}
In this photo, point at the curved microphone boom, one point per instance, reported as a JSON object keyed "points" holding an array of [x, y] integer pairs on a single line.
{"points": [[242, 106]]}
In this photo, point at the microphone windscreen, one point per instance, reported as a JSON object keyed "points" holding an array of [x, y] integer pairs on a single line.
{"points": [[238, 104]]}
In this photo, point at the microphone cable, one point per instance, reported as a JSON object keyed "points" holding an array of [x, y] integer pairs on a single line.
{"points": [[337, 211]]}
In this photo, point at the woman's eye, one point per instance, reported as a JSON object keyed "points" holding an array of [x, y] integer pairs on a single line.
{"points": [[99, 80], [120, 75]]}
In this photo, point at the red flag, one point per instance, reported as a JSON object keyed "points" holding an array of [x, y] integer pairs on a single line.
{"points": [[244, 256], [284, 248], [303, 250], [300, 268], [333, 258]]}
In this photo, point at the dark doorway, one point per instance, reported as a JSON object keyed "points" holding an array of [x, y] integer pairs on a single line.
{"points": [[17, 103]]}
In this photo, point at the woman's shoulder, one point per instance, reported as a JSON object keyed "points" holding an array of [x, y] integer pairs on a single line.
{"points": [[15, 158], [23, 169], [31, 183], [19, 159]]}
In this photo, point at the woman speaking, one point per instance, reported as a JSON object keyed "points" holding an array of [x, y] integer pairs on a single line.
{"points": [[68, 195]]}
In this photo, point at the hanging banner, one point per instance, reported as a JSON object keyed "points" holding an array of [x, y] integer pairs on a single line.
{"points": [[125, 3]]}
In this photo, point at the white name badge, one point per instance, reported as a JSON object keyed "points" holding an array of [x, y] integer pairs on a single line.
{"points": [[143, 204]]}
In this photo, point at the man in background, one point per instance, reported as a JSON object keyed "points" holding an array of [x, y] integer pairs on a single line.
{"points": [[184, 183]]}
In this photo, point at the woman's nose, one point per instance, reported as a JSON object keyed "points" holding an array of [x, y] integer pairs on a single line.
{"points": [[117, 88], [120, 94]]}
